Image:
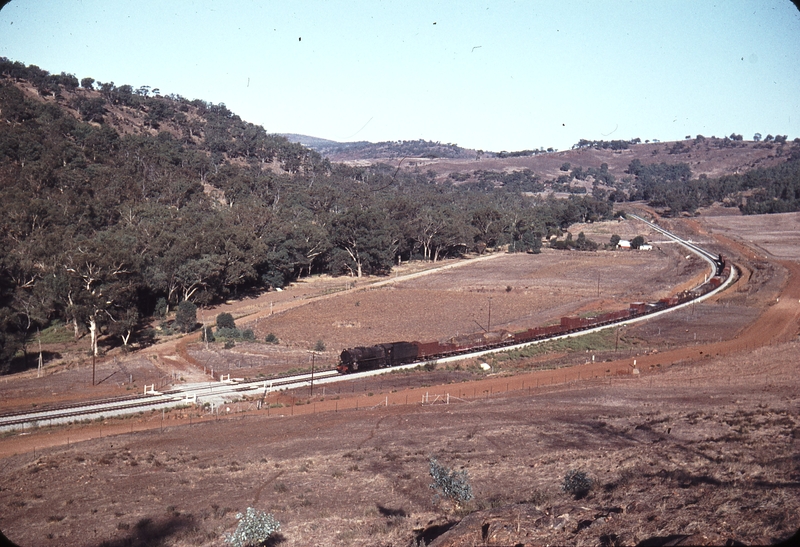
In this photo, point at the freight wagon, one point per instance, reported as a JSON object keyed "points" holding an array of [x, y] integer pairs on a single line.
{"points": [[400, 353]]}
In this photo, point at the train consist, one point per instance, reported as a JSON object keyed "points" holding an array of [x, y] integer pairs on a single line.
{"points": [[401, 353]]}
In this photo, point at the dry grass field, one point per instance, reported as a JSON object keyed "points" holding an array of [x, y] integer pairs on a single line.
{"points": [[700, 446]]}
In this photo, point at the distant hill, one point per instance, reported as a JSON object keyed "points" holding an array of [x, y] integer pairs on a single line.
{"points": [[363, 150], [311, 142], [709, 156], [712, 157]]}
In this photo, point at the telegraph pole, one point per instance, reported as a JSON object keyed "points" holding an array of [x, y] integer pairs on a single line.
{"points": [[205, 327], [41, 361], [313, 355]]}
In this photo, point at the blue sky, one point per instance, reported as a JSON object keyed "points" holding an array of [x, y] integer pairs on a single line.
{"points": [[493, 75]]}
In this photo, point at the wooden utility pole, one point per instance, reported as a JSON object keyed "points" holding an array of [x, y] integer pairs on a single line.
{"points": [[41, 361], [313, 355]]}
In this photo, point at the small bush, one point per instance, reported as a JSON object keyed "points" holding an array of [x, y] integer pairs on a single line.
{"points": [[161, 307], [255, 527], [186, 316], [577, 483], [449, 483], [231, 334], [247, 334], [319, 346], [225, 321], [208, 336], [271, 339], [168, 328]]}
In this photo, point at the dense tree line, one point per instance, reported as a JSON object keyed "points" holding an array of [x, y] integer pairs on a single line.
{"points": [[762, 190], [102, 228], [523, 153], [388, 149], [661, 184], [605, 145]]}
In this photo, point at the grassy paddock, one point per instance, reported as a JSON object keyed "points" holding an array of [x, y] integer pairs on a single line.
{"points": [[604, 340]]}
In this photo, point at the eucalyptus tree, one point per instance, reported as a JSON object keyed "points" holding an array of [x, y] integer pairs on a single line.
{"points": [[364, 237]]}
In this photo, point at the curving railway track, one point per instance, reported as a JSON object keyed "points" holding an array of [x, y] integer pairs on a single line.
{"points": [[216, 393], [704, 254]]}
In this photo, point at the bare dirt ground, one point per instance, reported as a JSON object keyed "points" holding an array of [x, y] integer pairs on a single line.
{"points": [[702, 443]]}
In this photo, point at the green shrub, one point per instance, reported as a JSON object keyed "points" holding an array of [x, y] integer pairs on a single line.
{"points": [[271, 339], [577, 483], [254, 529], [319, 346], [229, 333], [449, 483], [225, 321], [236, 334], [161, 307], [167, 328], [186, 316]]}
